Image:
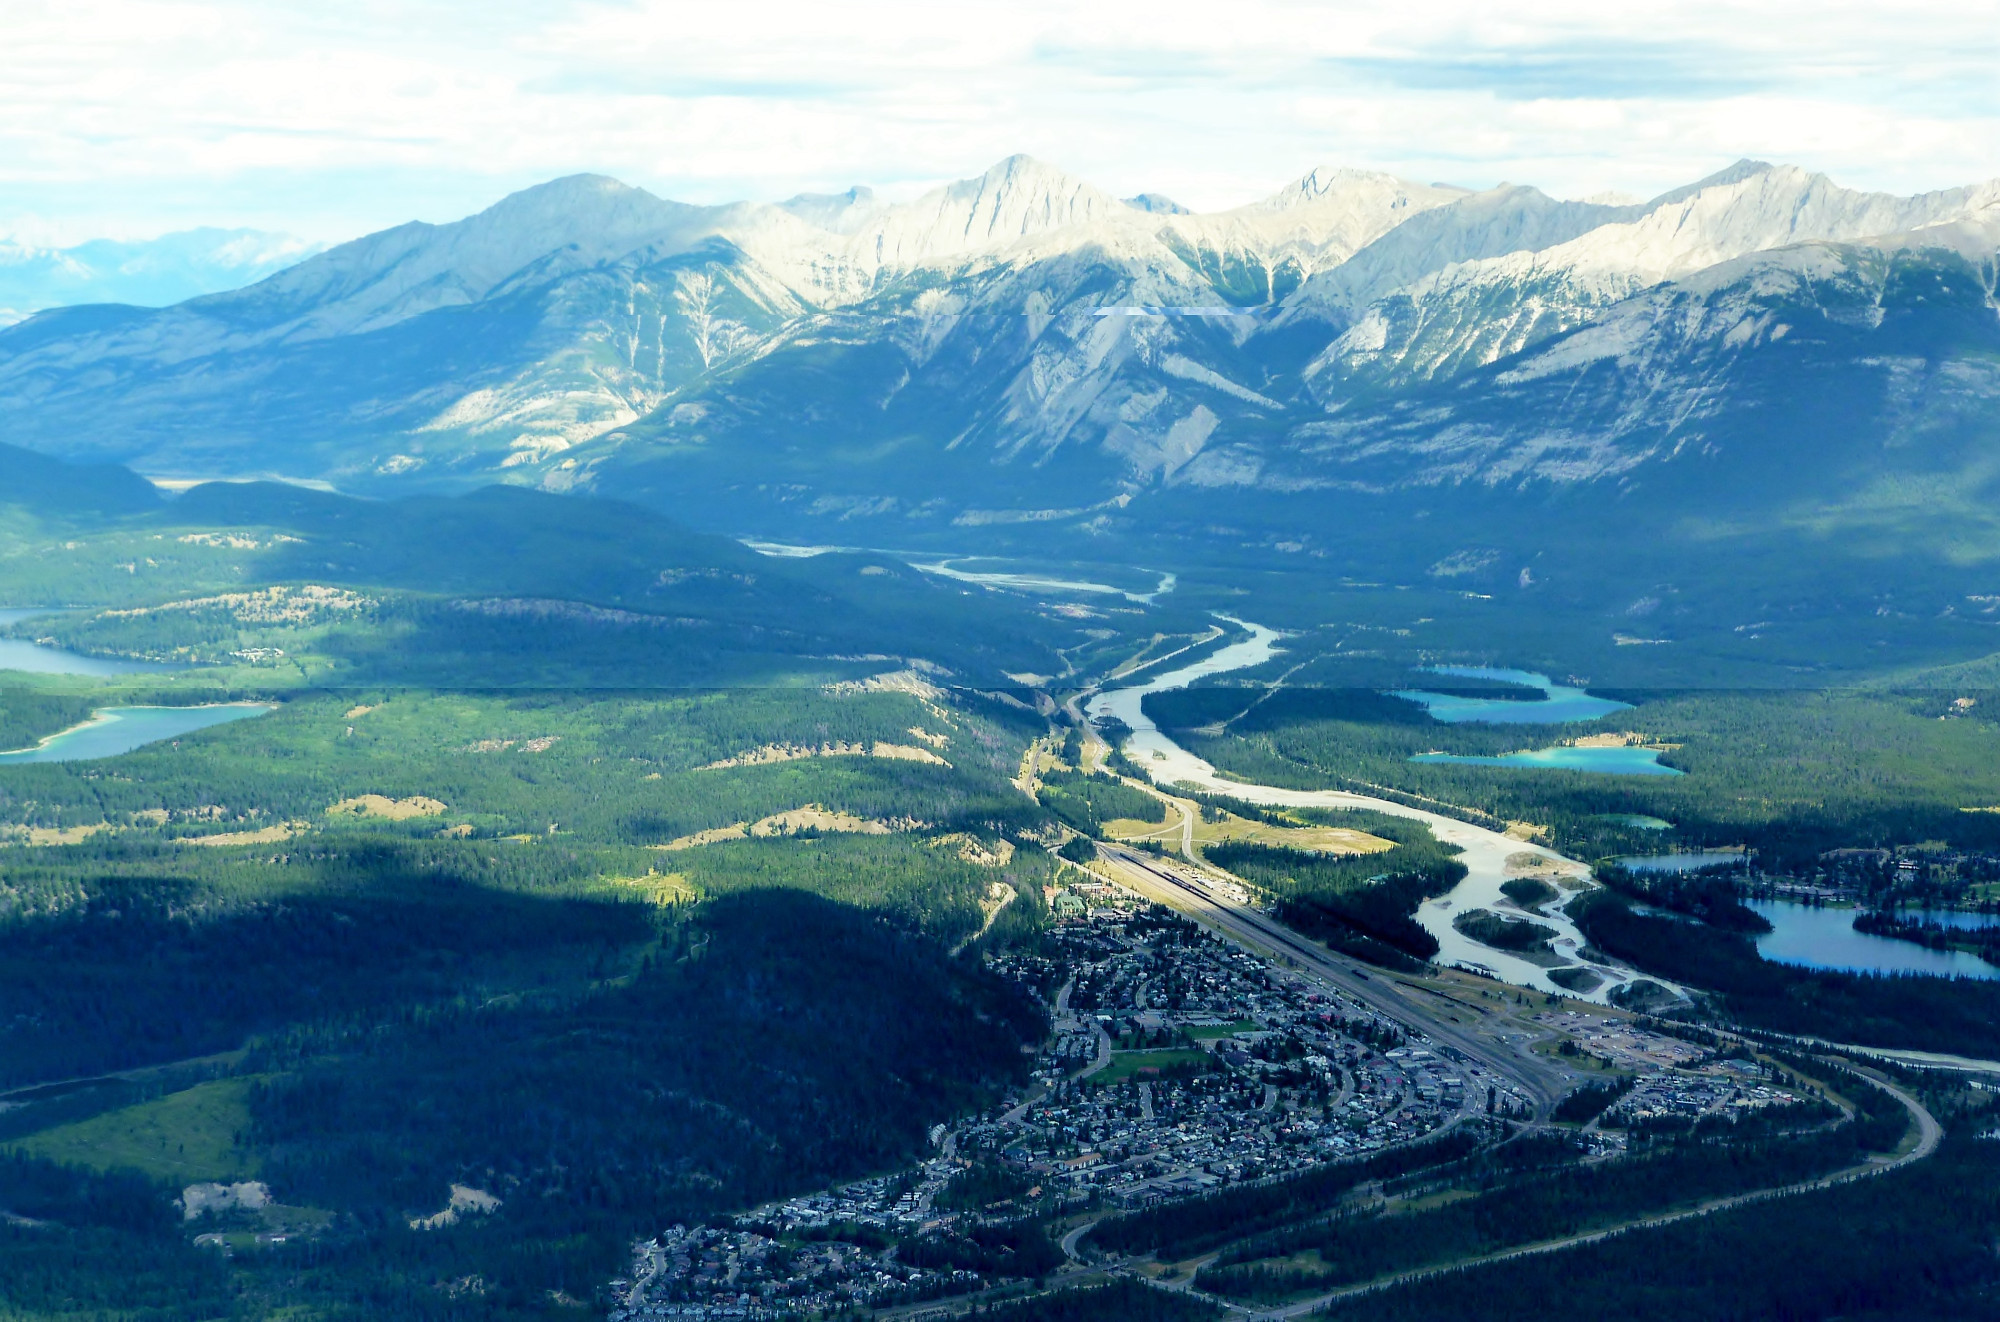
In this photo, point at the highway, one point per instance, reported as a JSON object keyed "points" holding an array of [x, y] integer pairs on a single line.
{"points": [[1184, 889], [1928, 1131]]}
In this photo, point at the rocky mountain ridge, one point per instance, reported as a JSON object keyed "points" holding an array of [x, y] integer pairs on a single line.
{"points": [[1023, 347]]}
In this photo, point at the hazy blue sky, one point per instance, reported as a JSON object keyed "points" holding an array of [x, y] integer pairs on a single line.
{"points": [[134, 116]]}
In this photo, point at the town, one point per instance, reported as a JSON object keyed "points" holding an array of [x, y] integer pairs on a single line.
{"points": [[1177, 1064]]}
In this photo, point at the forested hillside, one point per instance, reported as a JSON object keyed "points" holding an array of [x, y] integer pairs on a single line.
{"points": [[617, 871]]}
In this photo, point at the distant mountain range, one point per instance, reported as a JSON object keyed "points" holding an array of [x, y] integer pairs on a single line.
{"points": [[1759, 349], [148, 272]]}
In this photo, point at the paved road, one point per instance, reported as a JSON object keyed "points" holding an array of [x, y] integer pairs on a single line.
{"points": [[1922, 1060], [136, 1074], [1069, 1241], [1929, 1132], [1252, 927], [1104, 1048]]}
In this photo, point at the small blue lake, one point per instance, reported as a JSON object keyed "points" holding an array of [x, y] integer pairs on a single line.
{"points": [[20, 654], [1560, 705], [1627, 761], [1825, 939], [114, 730], [1692, 860]]}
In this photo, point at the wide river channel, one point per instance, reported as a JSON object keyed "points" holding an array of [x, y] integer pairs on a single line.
{"points": [[1486, 853]]}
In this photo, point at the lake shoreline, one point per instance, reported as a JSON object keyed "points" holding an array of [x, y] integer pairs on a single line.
{"points": [[152, 723]]}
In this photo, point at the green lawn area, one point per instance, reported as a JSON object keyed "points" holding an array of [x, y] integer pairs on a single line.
{"points": [[1127, 1064], [1208, 1033], [183, 1137], [1131, 828]]}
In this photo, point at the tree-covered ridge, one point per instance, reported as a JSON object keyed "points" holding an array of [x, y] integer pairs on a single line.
{"points": [[622, 768], [1181, 1230], [538, 858], [1543, 1206], [134, 955], [127, 956], [926, 885], [1118, 1301], [1087, 802], [28, 716], [510, 985], [757, 1045], [771, 1042], [500, 586]]}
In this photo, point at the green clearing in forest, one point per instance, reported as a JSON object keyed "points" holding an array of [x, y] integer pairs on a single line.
{"points": [[182, 1138]]}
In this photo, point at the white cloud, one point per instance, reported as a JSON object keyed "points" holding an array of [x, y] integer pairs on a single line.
{"points": [[137, 115]]}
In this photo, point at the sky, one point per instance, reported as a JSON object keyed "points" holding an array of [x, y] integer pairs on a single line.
{"points": [[129, 118]]}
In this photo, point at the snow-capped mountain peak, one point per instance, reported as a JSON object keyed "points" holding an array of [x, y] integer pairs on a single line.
{"points": [[1467, 314], [569, 320], [1260, 252], [837, 213], [1508, 218], [1729, 174], [1018, 198], [398, 273], [1329, 182]]}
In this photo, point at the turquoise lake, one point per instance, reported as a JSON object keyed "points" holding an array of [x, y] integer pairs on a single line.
{"points": [[1609, 761], [20, 654], [1561, 706], [115, 730], [1825, 939]]}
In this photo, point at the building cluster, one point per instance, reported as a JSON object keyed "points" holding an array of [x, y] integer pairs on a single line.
{"points": [[1727, 1089], [1673, 1081], [706, 1274], [1177, 1064], [1180, 1063], [1909, 876], [893, 1204], [1620, 1043]]}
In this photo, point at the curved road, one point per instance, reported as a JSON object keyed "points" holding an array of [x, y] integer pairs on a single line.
{"points": [[1929, 1133]]}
